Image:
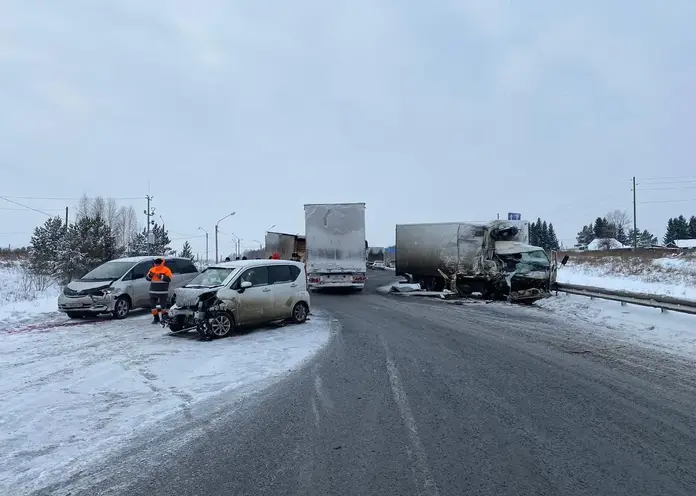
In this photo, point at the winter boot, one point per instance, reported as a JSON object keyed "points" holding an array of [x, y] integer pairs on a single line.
{"points": [[155, 318]]}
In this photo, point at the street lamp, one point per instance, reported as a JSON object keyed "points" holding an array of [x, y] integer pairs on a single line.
{"points": [[237, 245], [216, 234], [207, 260], [270, 228]]}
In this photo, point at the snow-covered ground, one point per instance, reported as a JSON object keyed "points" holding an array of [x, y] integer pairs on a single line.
{"points": [[674, 276], [25, 298], [71, 395], [649, 327]]}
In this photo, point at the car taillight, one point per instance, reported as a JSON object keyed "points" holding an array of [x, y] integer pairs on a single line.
{"points": [[359, 278]]}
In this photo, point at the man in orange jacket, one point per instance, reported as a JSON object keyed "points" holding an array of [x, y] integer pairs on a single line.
{"points": [[159, 276]]}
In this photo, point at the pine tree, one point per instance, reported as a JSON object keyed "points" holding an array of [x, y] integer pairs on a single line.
{"points": [[692, 227], [647, 239], [600, 228], [553, 239], [544, 235], [586, 235], [621, 236], [87, 244], [534, 234], [45, 241], [186, 251], [670, 233]]}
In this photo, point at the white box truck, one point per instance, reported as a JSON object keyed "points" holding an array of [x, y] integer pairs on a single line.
{"points": [[336, 246]]}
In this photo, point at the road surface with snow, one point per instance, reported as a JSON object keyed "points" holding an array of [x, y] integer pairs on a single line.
{"points": [[416, 396], [74, 392]]}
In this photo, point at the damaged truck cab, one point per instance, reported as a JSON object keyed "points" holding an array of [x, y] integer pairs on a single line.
{"points": [[491, 258]]}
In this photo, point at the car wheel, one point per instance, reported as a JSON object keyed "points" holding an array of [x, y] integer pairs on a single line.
{"points": [[75, 315], [121, 307], [221, 325], [300, 312]]}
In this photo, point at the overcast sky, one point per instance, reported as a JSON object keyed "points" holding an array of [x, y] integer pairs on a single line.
{"points": [[426, 111]]}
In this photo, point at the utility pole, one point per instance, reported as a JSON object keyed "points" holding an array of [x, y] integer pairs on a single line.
{"points": [[66, 219], [635, 224], [150, 212]]}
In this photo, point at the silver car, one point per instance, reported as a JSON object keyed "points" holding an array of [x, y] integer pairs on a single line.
{"points": [[242, 293], [118, 286]]}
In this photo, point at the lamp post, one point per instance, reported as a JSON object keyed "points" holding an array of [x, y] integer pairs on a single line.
{"points": [[270, 228], [207, 260], [216, 234], [237, 245]]}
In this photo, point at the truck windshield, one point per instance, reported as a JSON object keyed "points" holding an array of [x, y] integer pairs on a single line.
{"points": [[526, 262]]}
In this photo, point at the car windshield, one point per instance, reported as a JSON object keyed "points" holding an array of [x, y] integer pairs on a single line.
{"points": [[210, 277], [110, 271]]}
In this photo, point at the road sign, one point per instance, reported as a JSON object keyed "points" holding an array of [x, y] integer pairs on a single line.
{"points": [[514, 216]]}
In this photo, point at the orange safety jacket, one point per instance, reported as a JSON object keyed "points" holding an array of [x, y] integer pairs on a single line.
{"points": [[159, 276]]}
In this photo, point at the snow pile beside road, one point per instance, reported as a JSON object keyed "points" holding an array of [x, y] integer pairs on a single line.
{"points": [[24, 296], [649, 327], [72, 395], [673, 276]]}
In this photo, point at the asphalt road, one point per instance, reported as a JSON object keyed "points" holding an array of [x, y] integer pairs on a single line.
{"points": [[416, 397]]}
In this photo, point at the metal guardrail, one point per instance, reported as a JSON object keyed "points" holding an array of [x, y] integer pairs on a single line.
{"points": [[641, 299]]}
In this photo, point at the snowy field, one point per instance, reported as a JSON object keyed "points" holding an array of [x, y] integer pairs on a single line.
{"points": [[72, 394], [23, 298], [674, 276]]}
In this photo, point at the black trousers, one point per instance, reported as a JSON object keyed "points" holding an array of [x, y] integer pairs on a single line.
{"points": [[158, 299]]}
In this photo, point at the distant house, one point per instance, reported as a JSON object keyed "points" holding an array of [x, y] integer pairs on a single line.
{"points": [[685, 243], [605, 244]]}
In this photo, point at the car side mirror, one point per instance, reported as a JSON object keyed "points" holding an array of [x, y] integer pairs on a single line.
{"points": [[565, 260], [243, 287]]}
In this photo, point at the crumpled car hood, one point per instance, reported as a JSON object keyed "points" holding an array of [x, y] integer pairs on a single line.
{"points": [[188, 297]]}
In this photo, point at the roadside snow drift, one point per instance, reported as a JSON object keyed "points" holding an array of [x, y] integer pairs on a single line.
{"points": [[24, 297], [673, 276], [72, 394]]}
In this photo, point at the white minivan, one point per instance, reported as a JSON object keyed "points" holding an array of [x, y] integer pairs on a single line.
{"points": [[119, 285], [240, 293]]}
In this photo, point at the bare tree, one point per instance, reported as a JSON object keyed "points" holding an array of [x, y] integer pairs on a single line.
{"points": [[111, 212], [127, 226], [98, 207], [83, 208], [620, 219]]}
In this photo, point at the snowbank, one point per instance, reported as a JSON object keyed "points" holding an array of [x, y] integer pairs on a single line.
{"points": [[23, 297], [663, 276], [71, 395], [648, 327]]}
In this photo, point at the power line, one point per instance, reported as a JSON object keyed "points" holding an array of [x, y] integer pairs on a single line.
{"points": [[23, 209], [670, 201], [26, 206], [69, 197], [668, 189]]}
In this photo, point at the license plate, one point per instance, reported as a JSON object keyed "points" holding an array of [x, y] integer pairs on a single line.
{"points": [[72, 305]]}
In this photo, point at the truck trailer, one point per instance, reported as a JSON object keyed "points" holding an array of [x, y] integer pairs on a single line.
{"points": [[491, 258], [336, 245], [287, 246]]}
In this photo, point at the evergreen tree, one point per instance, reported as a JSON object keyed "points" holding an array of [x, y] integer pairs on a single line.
{"points": [[692, 227], [44, 247], [677, 228], [534, 233], [647, 239], [586, 235], [552, 238], [87, 244], [621, 236], [600, 228], [186, 251], [670, 233], [544, 235]]}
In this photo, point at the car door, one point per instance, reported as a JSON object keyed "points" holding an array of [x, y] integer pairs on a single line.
{"points": [[141, 286], [255, 303], [281, 279]]}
